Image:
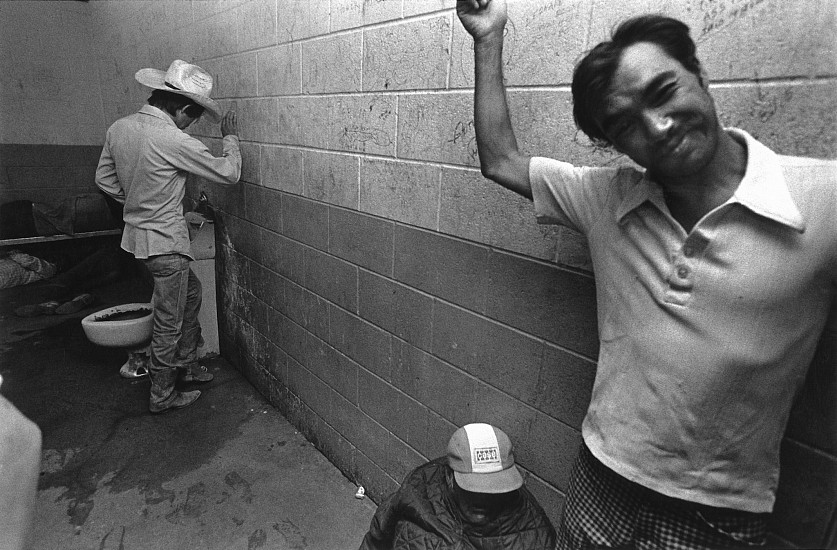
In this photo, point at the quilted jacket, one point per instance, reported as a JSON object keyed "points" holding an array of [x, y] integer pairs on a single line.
{"points": [[422, 515]]}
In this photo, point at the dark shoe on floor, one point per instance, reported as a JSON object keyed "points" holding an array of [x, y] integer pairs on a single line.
{"points": [[177, 400], [75, 305], [198, 374], [36, 310]]}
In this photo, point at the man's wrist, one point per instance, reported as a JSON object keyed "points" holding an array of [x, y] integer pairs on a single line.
{"points": [[492, 39]]}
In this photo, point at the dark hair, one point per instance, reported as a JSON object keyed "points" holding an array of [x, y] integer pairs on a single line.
{"points": [[170, 102], [593, 75]]}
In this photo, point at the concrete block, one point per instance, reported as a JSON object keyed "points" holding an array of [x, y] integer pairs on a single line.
{"points": [[549, 448], [346, 14], [281, 168], [346, 418], [289, 121], [33, 177], [305, 221], [497, 355], [439, 430], [244, 238], [233, 76], [289, 336], [408, 193], [273, 290], [250, 162], [258, 120], [364, 124], [564, 387], [216, 36], [316, 357], [284, 256], [438, 128], [417, 7], [542, 42], [298, 20], [443, 388], [361, 341], [264, 207], [396, 308], [384, 448], [332, 178], [361, 239], [475, 208], [805, 501], [377, 11], [792, 119], [331, 278], [342, 374], [313, 121], [277, 363], [332, 64], [255, 24], [280, 70], [307, 309], [450, 269], [504, 411], [378, 483], [550, 499], [378, 399], [544, 301], [409, 56]]}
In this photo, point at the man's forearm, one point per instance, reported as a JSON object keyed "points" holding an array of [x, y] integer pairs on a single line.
{"points": [[500, 159]]}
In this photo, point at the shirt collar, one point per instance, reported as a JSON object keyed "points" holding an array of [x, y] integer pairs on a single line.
{"points": [[157, 113], [762, 189]]}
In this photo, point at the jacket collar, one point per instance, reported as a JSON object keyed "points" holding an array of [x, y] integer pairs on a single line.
{"points": [[156, 112]]}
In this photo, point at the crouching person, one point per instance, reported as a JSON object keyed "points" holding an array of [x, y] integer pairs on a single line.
{"points": [[473, 498]]}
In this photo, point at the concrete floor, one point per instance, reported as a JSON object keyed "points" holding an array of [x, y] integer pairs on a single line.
{"points": [[228, 472]]}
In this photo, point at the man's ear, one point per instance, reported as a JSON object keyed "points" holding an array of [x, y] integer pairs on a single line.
{"points": [[703, 78]]}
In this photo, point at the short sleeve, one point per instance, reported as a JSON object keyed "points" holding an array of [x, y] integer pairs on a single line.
{"points": [[574, 196]]}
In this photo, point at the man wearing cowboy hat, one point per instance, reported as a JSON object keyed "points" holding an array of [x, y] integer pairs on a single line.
{"points": [[144, 164]]}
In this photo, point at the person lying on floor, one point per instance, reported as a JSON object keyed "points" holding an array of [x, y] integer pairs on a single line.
{"points": [[66, 293], [473, 498]]}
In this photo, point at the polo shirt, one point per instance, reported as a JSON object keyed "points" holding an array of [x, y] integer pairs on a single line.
{"points": [[706, 335], [144, 164]]}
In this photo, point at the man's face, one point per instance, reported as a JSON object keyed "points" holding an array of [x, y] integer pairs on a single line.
{"points": [[182, 120], [660, 114], [479, 509]]}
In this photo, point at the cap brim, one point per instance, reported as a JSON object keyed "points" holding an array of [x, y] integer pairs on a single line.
{"points": [[504, 481], [156, 79]]}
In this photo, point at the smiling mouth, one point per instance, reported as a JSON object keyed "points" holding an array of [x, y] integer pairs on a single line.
{"points": [[673, 145]]}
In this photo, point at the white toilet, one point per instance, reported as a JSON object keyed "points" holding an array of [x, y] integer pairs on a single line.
{"points": [[120, 333]]}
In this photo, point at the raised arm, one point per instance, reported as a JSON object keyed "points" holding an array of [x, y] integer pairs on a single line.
{"points": [[500, 159]]}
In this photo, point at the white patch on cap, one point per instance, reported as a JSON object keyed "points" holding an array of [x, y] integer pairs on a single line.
{"points": [[485, 449]]}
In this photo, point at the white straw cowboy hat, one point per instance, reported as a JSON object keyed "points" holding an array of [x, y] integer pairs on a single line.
{"points": [[184, 79]]}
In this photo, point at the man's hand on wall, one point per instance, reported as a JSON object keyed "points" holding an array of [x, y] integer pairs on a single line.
{"points": [[481, 18], [229, 124]]}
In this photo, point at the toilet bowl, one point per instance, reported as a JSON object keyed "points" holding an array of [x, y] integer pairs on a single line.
{"points": [[101, 329]]}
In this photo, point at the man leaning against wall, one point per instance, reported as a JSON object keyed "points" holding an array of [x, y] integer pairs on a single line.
{"points": [[715, 265], [144, 164]]}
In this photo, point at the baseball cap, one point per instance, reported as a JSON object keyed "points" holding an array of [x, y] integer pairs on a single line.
{"points": [[482, 460]]}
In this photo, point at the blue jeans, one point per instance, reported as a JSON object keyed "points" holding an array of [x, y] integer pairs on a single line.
{"points": [[177, 331]]}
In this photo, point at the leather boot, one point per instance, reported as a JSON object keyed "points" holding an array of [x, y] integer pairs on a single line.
{"points": [[163, 395]]}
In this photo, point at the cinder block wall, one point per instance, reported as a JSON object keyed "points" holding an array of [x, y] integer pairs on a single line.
{"points": [[375, 287], [51, 123]]}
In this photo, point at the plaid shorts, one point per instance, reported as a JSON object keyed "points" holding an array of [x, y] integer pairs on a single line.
{"points": [[605, 510]]}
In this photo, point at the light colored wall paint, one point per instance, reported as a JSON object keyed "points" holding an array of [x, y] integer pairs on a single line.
{"points": [[49, 79]]}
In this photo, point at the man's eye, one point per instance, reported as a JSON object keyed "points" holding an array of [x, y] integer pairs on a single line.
{"points": [[621, 127], [664, 94]]}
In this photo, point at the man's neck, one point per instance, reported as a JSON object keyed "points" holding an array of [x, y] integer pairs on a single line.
{"points": [[692, 197]]}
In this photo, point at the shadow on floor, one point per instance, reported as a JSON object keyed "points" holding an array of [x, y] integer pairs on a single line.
{"points": [[228, 472]]}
